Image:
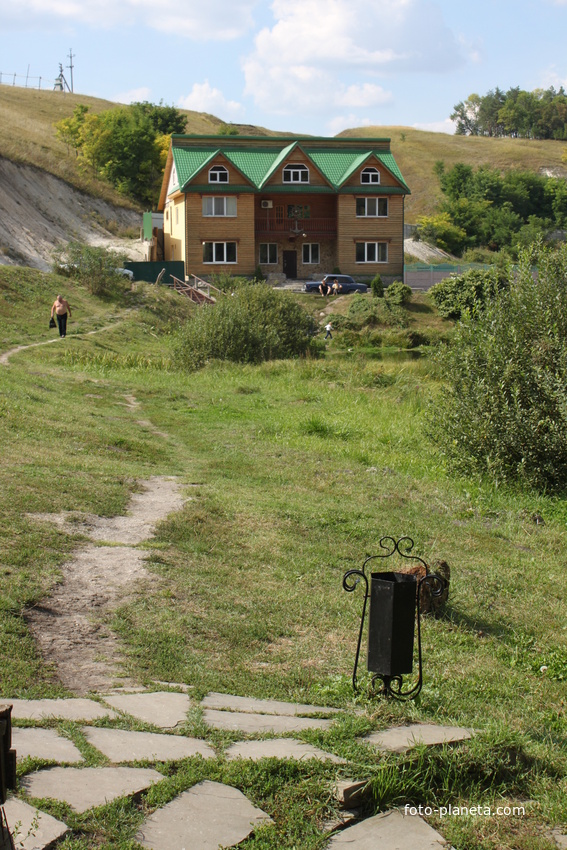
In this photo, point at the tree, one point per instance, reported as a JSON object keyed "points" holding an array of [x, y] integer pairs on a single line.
{"points": [[503, 411], [466, 115]]}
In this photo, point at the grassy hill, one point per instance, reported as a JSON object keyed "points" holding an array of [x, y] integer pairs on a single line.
{"points": [[27, 135], [417, 151]]}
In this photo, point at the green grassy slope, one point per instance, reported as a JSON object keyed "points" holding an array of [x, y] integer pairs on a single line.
{"points": [[296, 471], [27, 133]]}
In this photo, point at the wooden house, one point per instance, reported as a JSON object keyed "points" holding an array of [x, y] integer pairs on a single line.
{"points": [[300, 207]]}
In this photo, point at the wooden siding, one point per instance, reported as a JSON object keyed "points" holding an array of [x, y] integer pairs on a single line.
{"points": [[297, 156], [352, 229], [239, 229], [235, 177], [386, 178]]}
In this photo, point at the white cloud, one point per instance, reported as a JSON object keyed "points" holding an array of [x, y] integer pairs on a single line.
{"points": [[212, 20], [346, 122], [204, 98], [133, 96], [446, 126], [320, 54]]}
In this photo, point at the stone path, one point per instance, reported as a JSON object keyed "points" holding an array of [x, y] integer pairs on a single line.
{"points": [[209, 814]]}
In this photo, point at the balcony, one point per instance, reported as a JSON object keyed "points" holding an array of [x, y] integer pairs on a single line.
{"points": [[269, 225]]}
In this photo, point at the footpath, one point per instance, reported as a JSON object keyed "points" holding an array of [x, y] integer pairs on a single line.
{"points": [[208, 815]]}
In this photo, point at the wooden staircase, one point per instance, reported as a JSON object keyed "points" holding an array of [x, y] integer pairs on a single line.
{"points": [[196, 289]]}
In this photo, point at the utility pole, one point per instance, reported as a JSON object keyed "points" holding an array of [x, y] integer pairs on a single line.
{"points": [[70, 66]]}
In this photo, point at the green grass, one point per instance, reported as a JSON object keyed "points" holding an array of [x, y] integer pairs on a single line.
{"points": [[296, 471]]}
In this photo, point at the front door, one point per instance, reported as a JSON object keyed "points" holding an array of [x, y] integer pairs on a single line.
{"points": [[290, 264]]}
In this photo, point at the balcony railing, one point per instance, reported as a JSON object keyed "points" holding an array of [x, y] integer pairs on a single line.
{"points": [[310, 226]]}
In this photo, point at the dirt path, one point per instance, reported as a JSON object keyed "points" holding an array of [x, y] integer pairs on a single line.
{"points": [[5, 357], [69, 627]]}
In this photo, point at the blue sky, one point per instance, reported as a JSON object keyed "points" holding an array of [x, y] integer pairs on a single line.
{"points": [[305, 66]]}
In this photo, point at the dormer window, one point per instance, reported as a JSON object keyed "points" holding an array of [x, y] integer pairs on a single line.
{"points": [[370, 175], [296, 172], [218, 174]]}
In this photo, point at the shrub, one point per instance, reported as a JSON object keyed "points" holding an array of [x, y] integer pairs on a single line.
{"points": [[95, 268], [468, 292], [253, 324], [377, 287], [369, 312], [504, 408], [398, 293]]}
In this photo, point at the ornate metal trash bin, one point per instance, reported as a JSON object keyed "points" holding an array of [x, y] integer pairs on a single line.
{"points": [[395, 599], [391, 623]]}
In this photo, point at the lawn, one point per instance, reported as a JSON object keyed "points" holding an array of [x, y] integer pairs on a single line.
{"points": [[295, 471]]}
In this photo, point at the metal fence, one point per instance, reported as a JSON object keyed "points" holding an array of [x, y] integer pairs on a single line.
{"points": [[28, 82], [424, 276]]}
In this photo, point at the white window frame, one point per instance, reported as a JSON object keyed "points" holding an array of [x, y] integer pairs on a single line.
{"points": [[220, 206], [370, 175], [372, 250], [215, 174], [270, 249], [372, 201], [217, 250], [295, 172], [310, 261]]}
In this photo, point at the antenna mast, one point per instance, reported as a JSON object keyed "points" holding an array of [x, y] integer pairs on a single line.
{"points": [[70, 66]]}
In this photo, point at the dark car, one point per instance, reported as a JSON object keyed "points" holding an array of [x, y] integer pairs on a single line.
{"points": [[345, 281]]}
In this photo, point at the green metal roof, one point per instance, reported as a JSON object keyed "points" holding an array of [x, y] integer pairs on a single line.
{"points": [[259, 165], [388, 160], [336, 165], [188, 161]]}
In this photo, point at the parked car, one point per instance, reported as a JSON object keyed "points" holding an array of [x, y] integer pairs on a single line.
{"points": [[345, 281]]}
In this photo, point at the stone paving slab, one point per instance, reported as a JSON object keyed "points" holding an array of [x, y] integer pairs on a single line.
{"points": [[262, 706], [389, 831], [279, 748], [238, 721], [62, 709], [205, 817], [85, 788], [35, 830], [44, 744], [119, 745], [399, 739], [163, 709]]}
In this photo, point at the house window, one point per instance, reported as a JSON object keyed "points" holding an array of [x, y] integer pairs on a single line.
{"points": [[218, 174], [296, 173], [268, 253], [374, 207], [371, 252], [219, 252], [219, 206], [310, 253], [369, 175]]}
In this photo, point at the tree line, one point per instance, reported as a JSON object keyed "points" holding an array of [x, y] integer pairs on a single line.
{"points": [[483, 207], [126, 146], [540, 114]]}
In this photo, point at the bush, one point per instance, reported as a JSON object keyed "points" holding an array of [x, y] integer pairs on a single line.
{"points": [[398, 293], [364, 312], [377, 287], [253, 324], [469, 292], [95, 268], [504, 409]]}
